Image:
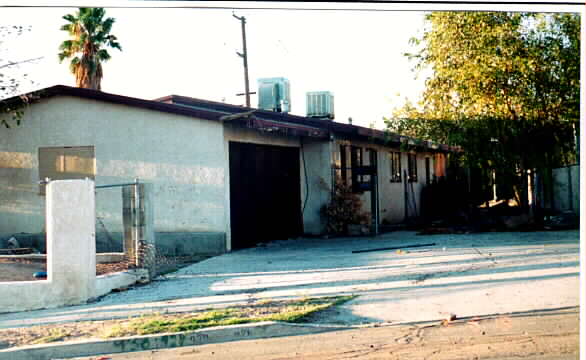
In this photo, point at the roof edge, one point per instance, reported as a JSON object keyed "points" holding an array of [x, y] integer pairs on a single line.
{"points": [[180, 105], [65, 90]]}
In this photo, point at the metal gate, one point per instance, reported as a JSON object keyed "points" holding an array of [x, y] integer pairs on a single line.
{"points": [[132, 209]]}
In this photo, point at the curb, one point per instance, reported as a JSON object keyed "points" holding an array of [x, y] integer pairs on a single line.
{"points": [[266, 329]]}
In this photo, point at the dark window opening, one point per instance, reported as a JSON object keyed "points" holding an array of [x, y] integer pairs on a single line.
{"points": [[427, 171], [411, 167], [395, 160], [372, 158], [356, 160], [343, 164]]}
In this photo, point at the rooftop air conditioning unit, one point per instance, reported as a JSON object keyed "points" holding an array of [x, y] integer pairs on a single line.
{"points": [[320, 104], [274, 94]]}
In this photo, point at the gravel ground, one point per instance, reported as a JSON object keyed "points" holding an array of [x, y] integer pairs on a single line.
{"points": [[23, 270], [19, 271]]}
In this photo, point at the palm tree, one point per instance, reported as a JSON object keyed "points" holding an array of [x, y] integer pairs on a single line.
{"points": [[89, 32]]}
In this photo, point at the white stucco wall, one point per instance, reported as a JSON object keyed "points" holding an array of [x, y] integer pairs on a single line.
{"points": [[391, 194], [181, 156], [566, 187], [319, 179], [186, 160]]}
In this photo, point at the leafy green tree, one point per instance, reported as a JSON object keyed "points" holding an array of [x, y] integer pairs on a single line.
{"points": [[504, 87], [90, 34]]}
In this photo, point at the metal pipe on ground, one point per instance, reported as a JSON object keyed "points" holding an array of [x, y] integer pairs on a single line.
{"points": [[393, 248]]}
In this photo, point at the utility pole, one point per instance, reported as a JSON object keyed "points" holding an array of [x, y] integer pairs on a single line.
{"points": [[244, 56]]}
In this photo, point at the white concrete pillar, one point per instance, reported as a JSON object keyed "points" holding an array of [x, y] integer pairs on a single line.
{"points": [[71, 243]]}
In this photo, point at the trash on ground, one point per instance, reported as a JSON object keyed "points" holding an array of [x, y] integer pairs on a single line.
{"points": [[40, 275], [393, 248]]}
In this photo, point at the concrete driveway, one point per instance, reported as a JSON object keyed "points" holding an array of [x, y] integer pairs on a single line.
{"points": [[472, 274]]}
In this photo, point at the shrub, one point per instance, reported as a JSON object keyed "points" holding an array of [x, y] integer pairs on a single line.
{"points": [[344, 208]]}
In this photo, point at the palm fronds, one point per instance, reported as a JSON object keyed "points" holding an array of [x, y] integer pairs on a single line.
{"points": [[89, 36]]}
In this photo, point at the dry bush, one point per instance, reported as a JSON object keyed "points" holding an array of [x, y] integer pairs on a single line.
{"points": [[344, 208]]}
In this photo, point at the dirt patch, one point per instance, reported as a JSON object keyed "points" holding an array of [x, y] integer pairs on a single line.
{"points": [[51, 333], [20, 269], [163, 264], [108, 268], [16, 269], [23, 270]]}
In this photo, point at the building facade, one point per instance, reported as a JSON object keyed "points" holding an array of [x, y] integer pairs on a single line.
{"points": [[224, 176]]}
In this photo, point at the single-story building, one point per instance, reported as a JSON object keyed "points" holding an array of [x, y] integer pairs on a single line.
{"points": [[224, 176]]}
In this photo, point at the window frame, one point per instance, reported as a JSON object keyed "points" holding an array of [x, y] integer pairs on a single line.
{"points": [[343, 164], [356, 160], [395, 167], [412, 167], [427, 170]]}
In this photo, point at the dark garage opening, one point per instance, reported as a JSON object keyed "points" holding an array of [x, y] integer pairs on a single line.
{"points": [[265, 193]]}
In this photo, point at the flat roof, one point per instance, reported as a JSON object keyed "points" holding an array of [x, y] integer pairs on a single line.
{"points": [[256, 118]]}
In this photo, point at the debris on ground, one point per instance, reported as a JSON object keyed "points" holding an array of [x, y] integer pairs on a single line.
{"points": [[17, 251], [514, 222], [15, 268], [393, 248], [107, 268], [13, 243], [449, 318], [498, 217], [40, 275], [564, 221]]}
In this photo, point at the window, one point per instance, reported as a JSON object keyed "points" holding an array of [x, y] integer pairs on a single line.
{"points": [[372, 158], [395, 160], [356, 160], [69, 162], [369, 168], [427, 171], [343, 164], [411, 167]]}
